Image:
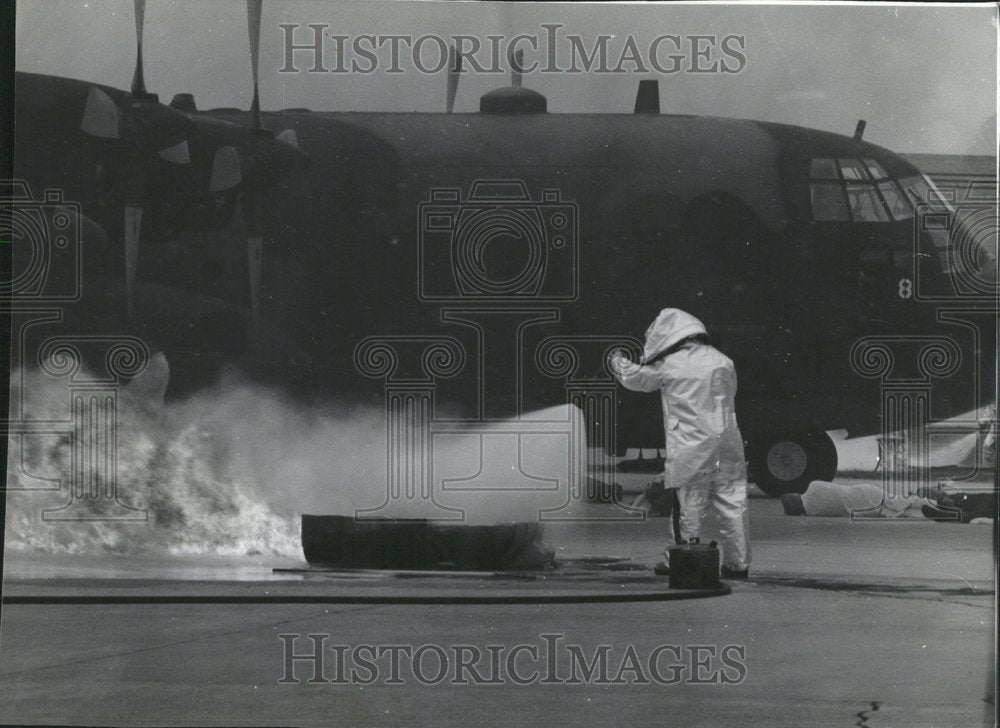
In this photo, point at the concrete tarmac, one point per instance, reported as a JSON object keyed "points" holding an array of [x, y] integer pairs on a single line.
{"points": [[841, 624]]}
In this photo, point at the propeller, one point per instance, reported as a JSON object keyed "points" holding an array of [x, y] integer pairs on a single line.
{"points": [[138, 80], [253, 29], [244, 159], [135, 189], [454, 74], [270, 156], [146, 129], [252, 202], [226, 171], [136, 182]]}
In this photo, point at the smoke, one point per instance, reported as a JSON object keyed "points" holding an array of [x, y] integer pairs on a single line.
{"points": [[231, 469]]}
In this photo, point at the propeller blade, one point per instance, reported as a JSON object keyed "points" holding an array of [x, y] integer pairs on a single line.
{"points": [[255, 250], [253, 28], [516, 66], [91, 234], [179, 153], [138, 82], [289, 137], [133, 228], [100, 116], [454, 71], [226, 171]]}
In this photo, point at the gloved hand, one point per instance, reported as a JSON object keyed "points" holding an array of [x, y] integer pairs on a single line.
{"points": [[660, 498]]}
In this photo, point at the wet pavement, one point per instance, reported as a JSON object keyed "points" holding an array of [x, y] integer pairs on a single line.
{"points": [[841, 623]]}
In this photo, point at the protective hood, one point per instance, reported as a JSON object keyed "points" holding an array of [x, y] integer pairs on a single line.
{"points": [[670, 327]]}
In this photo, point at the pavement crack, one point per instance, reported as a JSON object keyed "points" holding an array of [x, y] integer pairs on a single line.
{"points": [[862, 717]]}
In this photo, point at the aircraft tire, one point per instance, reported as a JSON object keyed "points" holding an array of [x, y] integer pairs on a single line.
{"points": [[788, 462]]}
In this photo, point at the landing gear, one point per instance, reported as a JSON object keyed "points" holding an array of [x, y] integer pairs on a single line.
{"points": [[787, 463]]}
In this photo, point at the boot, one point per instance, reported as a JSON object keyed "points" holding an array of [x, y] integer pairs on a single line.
{"points": [[728, 572]]}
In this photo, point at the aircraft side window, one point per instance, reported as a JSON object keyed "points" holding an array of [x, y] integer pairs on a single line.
{"points": [[865, 204], [823, 169], [899, 206], [875, 169], [916, 189], [828, 202], [921, 190], [852, 170]]}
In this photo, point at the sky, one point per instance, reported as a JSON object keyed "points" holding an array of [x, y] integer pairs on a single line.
{"points": [[924, 77]]}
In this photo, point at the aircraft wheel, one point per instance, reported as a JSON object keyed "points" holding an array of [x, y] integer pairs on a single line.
{"points": [[788, 463]]}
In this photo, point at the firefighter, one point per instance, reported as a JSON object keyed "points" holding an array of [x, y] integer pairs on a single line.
{"points": [[704, 447]]}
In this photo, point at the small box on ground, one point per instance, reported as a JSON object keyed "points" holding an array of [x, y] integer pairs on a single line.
{"points": [[694, 566]]}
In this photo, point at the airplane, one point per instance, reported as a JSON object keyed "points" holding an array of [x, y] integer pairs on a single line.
{"points": [[223, 243]]}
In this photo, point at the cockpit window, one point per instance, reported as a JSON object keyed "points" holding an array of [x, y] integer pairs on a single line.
{"points": [[852, 169], [899, 206], [861, 190], [828, 202], [865, 204], [875, 169], [916, 189], [823, 169]]}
